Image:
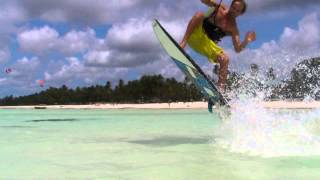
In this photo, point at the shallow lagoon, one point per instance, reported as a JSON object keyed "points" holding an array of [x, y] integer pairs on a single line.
{"points": [[154, 144]]}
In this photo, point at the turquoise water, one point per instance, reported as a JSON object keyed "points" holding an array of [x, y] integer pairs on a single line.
{"points": [[159, 144]]}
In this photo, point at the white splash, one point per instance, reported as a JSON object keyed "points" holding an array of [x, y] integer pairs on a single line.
{"points": [[255, 130]]}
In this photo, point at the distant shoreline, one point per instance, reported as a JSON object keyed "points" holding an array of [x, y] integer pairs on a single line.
{"points": [[176, 105]]}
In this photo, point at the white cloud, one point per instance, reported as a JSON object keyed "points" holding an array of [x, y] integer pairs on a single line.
{"points": [[132, 44], [21, 80], [79, 41], [265, 5], [38, 41], [127, 44], [83, 11], [23, 72], [45, 40], [133, 35], [75, 71], [306, 37], [294, 45], [101, 11], [25, 68], [3, 81], [165, 66], [10, 15], [4, 55]]}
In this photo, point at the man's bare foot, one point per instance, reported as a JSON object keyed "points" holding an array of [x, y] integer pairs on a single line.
{"points": [[183, 44], [221, 88]]}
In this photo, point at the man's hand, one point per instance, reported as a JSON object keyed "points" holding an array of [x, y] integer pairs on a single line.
{"points": [[250, 36], [210, 3]]}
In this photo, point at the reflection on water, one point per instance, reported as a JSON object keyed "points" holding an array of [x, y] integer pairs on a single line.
{"points": [[51, 120], [15, 127], [171, 141]]}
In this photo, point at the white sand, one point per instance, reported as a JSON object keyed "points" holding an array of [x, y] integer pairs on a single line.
{"points": [[179, 105], [292, 104]]}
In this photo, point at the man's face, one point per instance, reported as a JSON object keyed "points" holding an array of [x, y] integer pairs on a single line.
{"points": [[236, 9]]}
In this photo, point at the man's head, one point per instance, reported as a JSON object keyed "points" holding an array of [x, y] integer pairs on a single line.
{"points": [[238, 7]]}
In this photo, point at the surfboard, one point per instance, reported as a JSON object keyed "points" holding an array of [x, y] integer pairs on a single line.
{"points": [[188, 66]]}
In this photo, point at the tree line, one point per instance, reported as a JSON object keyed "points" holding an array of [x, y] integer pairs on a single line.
{"points": [[148, 89], [303, 82]]}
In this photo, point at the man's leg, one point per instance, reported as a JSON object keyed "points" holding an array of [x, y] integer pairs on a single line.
{"points": [[193, 23], [223, 60]]}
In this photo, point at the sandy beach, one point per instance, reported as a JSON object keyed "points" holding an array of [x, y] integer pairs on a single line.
{"points": [[177, 105]]}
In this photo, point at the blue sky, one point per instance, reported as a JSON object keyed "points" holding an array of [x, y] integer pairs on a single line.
{"points": [[83, 43]]}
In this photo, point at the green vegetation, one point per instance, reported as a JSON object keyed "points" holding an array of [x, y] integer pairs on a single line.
{"points": [[304, 81], [147, 89]]}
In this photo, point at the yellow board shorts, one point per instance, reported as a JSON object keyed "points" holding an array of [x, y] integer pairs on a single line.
{"points": [[200, 42]]}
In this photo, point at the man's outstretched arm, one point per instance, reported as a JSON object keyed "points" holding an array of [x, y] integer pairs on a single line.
{"points": [[211, 3], [237, 44]]}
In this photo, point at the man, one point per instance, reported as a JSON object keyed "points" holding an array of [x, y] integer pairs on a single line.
{"points": [[204, 32]]}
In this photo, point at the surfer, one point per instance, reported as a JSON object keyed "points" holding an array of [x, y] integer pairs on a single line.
{"points": [[205, 31]]}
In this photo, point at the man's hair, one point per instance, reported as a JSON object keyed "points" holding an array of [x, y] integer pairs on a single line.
{"points": [[244, 5]]}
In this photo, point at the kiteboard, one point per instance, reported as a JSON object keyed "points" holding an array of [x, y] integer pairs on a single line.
{"points": [[188, 66]]}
